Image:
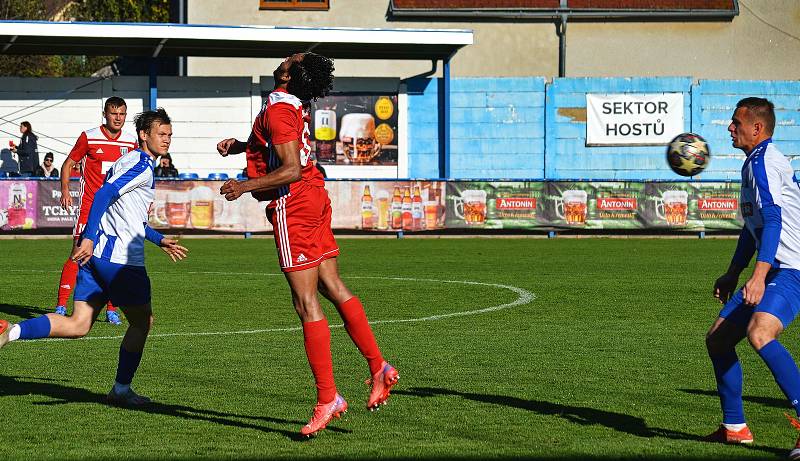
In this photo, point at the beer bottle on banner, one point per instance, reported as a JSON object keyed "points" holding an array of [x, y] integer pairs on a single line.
{"points": [[367, 212], [416, 210], [397, 209], [325, 134], [17, 204], [408, 221]]}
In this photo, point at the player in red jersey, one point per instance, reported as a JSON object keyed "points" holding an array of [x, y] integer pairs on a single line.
{"points": [[96, 150], [300, 212]]}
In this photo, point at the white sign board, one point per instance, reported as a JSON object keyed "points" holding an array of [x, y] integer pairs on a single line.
{"points": [[633, 119]]}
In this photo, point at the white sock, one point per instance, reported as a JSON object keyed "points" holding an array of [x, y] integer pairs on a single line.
{"points": [[121, 388], [13, 333], [735, 427]]}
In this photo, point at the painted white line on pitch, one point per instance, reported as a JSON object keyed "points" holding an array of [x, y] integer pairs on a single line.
{"points": [[523, 297]]}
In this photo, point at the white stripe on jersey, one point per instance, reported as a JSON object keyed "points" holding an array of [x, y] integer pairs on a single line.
{"points": [[122, 227], [106, 142], [768, 179]]}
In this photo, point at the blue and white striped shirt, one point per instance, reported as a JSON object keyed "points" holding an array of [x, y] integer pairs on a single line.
{"points": [[118, 220]]}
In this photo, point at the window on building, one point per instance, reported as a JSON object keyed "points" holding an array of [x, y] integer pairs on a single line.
{"points": [[294, 4]]}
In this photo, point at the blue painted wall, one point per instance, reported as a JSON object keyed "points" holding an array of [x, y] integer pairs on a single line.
{"points": [[497, 128], [519, 128]]}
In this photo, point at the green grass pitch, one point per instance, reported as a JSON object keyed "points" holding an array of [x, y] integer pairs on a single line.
{"points": [[563, 349]]}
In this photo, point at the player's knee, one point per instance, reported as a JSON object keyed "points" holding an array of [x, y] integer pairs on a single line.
{"points": [[759, 337]]}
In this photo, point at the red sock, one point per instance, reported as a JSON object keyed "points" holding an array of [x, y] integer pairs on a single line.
{"points": [[69, 273], [357, 326], [317, 340], [110, 307]]}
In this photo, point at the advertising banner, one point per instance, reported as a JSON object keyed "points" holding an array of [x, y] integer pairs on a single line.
{"points": [[693, 206], [354, 129], [50, 212], [495, 205], [596, 205], [198, 205], [633, 119], [387, 205], [18, 205], [413, 206]]}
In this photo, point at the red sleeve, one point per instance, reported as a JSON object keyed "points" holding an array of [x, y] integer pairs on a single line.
{"points": [[282, 126], [80, 149]]}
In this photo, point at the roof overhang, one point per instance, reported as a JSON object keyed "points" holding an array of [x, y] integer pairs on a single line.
{"points": [[153, 40], [547, 10]]}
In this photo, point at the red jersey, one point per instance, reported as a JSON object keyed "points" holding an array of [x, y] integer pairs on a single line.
{"points": [[282, 119], [96, 152]]}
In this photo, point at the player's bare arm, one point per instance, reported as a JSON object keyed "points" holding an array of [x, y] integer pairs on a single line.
{"points": [[230, 146], [66, 172], [287, 173]]}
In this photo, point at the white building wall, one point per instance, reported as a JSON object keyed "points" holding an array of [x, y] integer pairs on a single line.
{"points": [[204, 110]]}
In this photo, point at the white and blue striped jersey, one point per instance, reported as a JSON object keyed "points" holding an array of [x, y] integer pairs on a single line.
{"points": [[769, 192], [128, 192]]}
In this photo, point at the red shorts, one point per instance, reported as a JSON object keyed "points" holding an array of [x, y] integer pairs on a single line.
{"points": [[302, 227]]}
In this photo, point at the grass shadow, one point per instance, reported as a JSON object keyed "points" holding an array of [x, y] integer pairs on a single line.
{"points": [[583, 416], [766, 401], [24, 312], [61, 394]]}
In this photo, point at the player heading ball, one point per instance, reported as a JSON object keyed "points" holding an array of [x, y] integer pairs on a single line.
{"points": [[299, 209], [111, 257]]}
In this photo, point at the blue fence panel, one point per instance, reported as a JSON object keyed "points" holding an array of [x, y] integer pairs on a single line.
{"points": [[712, 114], [566, 154], [526, 128], [497, 127]]}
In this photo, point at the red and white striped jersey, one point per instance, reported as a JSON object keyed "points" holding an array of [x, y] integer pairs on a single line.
{"points": [[282, 119], [96, 151]]}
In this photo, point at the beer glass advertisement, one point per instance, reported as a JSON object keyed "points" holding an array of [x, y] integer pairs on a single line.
{"points": [[51, 214], [596, 205], [387, 205], [18, 205], [355, 130], [198, 205], [495, 205], [693, 206]]}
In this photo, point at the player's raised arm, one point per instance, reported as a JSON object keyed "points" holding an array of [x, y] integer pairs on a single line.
{"points": [[230, 146]]}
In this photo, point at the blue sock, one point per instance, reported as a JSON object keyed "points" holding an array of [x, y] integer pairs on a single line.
{"points": [[785, 371], [128, 363], [36, 328], [728, 371]]}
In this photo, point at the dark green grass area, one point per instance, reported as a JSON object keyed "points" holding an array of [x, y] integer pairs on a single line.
{"points": [[607, 361]]}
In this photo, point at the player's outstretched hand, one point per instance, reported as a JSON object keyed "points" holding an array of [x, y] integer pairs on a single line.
{"points": [[83, 252], [224, 146], [171, 248], [725, 286], [66, 200], [232, 189]]}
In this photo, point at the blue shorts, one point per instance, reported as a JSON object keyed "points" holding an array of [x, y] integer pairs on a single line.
{"points": [[100, 280], [781, 299]]}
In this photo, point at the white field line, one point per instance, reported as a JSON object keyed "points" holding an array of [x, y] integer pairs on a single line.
{"points": [[523, 297]]}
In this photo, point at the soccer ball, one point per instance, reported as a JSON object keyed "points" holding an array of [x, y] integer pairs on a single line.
{"points": [[688, 154]]}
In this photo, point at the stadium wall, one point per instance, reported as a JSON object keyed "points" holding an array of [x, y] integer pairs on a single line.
{"points": [[502, 128]]}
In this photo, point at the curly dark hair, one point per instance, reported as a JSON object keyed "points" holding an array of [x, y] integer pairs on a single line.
{"points": [[312, 78]]}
